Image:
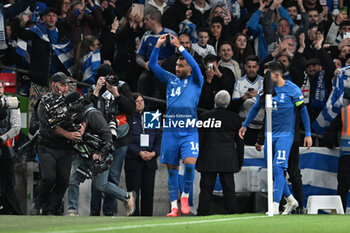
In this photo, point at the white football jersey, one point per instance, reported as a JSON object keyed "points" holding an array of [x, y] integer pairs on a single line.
{"points": [[241, 86]]}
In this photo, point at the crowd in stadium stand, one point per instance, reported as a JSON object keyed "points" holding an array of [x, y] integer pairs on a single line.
{"points": [[231, 40]]}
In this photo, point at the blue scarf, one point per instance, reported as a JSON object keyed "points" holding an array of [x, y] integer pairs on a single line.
{"points": [[319, 99]]}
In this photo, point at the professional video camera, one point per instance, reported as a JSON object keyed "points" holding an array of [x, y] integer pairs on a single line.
{"points": [[60, 110], [86, 148], [9, 102], [112, 80]]}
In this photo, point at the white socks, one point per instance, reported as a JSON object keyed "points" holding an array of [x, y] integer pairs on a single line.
{"points": [[291, 199], [185, 195], [174, 204]]}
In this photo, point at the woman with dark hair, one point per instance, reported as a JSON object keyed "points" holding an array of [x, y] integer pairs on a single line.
{"points": [[241, 48], [230, 25], [126, 40], [87, 60], [141, 160], [80, 24], [63, 8]]}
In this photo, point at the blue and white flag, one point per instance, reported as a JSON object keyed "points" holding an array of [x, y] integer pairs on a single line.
{"points": [[333, 105], [24, 50], [90, 64], [64, 51]]}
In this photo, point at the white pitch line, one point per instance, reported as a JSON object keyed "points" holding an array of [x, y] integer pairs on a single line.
{"points": [[156, 225]]}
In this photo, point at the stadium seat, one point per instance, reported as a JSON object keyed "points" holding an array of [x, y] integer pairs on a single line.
{"points": [[323, 202]]}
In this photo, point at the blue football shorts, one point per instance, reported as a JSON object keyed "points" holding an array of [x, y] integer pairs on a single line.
{"points": [[280, 150], [174, 148]]}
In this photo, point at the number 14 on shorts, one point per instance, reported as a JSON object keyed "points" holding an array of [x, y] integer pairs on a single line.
{"points": [[194, 146]]}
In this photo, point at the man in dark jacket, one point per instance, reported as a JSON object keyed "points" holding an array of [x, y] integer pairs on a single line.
{"points": [[216, 78], [221, 151], [51, 49], [182, 10], [55, 152], [95, 124], [113, 98], [5, 14]]}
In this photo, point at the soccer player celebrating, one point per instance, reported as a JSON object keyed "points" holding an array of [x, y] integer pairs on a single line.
{"points": [[179, 141], [288, 98]]}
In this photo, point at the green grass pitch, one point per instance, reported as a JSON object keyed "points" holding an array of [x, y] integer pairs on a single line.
{"points": [[241, 223]]}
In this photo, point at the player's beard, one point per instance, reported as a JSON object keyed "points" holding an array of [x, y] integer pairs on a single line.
{"points": [[181, 75]]}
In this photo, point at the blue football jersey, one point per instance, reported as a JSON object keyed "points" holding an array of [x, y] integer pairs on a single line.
{"points": [[288, 98], [149, 40], [182, 95], [284, 104]]}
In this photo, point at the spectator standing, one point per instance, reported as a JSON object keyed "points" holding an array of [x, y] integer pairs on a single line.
{"points": [[217, 35], [216, 78], [221, 152], [63, 8], [182, 10], [256, 29], [202, 47], [51, 49], [10, 126], [204, 8], [141, 161], [7, 13], [316, 81], [147, 84], [87, 60], [160, 5], [226, 54], [244, 97], [241, 49], [299, 25], [170, 63], [79, 24], [284, 25], [127, 40], [338, 28]]}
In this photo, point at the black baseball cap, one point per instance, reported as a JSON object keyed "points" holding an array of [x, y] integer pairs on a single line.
{"points": [[49, 10], [60, 77], [313, 61]]}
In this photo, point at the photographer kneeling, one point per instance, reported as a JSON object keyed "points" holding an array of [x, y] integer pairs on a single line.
{"points": [[55, 151], [94, 161]]}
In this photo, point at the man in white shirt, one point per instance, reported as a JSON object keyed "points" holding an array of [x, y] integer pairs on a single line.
{"points": [[244, 97]]}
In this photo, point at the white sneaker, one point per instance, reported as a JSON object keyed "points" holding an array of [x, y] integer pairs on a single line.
{"points": [[130, 204], [290, 206], [72, 212]]}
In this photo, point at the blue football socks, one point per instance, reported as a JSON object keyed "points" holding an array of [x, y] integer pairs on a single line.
{"points": [[188, 177], [280, 184], [173, 184]]}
